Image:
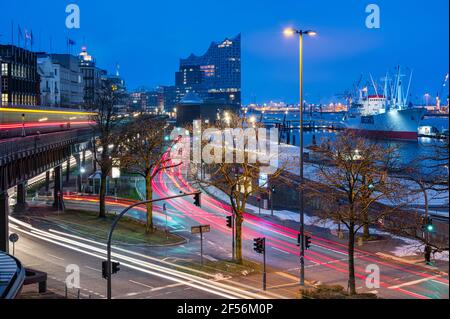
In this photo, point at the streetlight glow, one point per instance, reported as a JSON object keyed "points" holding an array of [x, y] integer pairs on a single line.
{"points": [[288, 32]]}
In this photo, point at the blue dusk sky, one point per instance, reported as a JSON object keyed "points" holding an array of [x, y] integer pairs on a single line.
{"points": [[147, 39]]}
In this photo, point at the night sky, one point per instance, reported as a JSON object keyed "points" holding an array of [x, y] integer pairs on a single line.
{"points": [[147, 39]]}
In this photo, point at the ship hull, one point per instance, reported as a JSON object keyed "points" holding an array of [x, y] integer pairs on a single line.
{"points": [[400, 125]]}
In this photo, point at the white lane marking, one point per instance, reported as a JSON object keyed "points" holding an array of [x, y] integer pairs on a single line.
{"points": [[94, 269], [414, 282], [56, 257], [440, 282], [168, 286], [283, 251], [140, 284], [195, 282]]}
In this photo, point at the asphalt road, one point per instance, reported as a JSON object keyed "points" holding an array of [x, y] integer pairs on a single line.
{"points": [[149, 273], [326, 261], [141, 276]]}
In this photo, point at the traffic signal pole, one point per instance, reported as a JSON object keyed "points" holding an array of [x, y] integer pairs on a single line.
{"points": [[264, 266], [114, 224]]}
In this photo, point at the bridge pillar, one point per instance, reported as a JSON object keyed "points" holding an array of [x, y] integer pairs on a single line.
{"points": [[4, 229], [83, 160], [47, 181], [68, 170], [57, 190], [21, 204], [78, 160]]}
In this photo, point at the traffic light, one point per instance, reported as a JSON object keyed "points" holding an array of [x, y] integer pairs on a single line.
{"points": [[198, 199], [115, 267], [427, 224], [105, 269], [230, 221], [259, 245], [307, 242], [272, 189]]}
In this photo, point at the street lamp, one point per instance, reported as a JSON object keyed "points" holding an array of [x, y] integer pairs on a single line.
{"points": [[82, 171], [288, 32]]}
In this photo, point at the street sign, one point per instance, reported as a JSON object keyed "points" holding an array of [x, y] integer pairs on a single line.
{"points": [[200, 229], [13, 238]]}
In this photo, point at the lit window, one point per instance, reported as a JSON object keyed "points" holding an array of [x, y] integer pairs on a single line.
{"points": [[4, 99], [4, 69]]}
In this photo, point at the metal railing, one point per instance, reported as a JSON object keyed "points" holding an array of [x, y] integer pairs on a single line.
{"points": [[10, 147], [12, 276]]}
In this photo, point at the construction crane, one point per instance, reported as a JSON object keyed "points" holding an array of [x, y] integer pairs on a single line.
{"points": [[439, 95]]}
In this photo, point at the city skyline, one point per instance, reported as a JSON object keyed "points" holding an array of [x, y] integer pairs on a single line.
{"points": [[343, 50]]}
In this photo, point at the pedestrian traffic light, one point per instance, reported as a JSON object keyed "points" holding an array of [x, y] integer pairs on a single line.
{"points": [[115, 267], [197, 199], [230, 221], [259, 245]]}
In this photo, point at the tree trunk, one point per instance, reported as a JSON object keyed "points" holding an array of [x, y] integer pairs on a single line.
{"points": [[366, 230], [351, 259], [149, 196], [238, 238], [102, 199]]}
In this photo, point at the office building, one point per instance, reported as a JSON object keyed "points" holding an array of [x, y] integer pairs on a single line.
{"points": [[20, 81]]}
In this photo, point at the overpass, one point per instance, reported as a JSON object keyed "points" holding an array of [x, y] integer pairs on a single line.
{"points": [[26, 157]]}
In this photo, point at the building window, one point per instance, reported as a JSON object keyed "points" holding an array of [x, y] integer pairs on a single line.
{"points": [[4, 69], [4, 99]]}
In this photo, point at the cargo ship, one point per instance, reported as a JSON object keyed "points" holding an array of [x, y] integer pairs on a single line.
{"points": [[387, 115]]}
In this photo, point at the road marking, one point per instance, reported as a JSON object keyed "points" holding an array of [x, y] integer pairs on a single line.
{"points": [[414, 282], [283, 251], [440, 282], [168, 286], [94, 269], [288, 276], [56, 257], [209, 258], [140, 284]]}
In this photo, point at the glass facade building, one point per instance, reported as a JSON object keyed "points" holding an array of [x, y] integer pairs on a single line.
{"points": [[216, 74]]}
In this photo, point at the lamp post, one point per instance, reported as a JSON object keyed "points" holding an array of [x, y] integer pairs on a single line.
{"points": [[290, 32], [197, 196]]}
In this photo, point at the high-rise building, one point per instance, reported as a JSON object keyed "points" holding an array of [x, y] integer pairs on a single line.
{"points": [[20, 83], [61, 80], [215, 74], [94, 78]]}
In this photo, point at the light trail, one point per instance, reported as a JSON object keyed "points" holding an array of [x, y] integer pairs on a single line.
{"points": [[217, 288]]}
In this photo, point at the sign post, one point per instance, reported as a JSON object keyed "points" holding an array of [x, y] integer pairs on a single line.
{"points": [[13, 238], [200, 230]]}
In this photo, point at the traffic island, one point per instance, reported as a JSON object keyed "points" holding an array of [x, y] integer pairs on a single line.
{"points": [[331, 292], [128, 232]]}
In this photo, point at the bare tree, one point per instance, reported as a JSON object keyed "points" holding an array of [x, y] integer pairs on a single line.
{"points": [[142, 152], [106, 128], [237, 178], [354, 172]]}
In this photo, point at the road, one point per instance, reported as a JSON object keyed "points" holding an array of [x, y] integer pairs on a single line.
{"points": [[326, 261], [151, 274], [141, 276]]}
